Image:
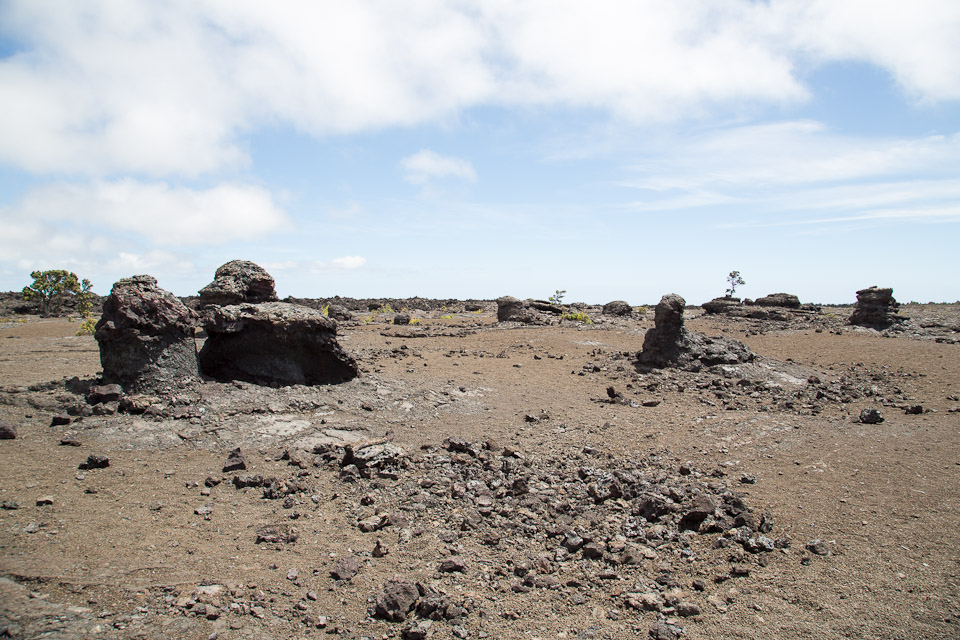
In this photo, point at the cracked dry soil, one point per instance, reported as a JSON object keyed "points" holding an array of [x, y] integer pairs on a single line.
{"points": [[480, 481]]}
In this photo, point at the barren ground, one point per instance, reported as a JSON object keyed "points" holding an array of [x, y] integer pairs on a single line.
{"points": [[121, 551]]}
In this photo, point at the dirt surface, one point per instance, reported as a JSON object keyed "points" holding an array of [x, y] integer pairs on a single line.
{"points": [[528, 482]]}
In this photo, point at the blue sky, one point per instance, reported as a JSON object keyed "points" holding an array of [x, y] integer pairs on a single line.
{"points": [[618, 150]]}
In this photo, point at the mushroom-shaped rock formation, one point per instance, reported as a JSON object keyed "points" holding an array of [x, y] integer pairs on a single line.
{"points": [[669, 343]]}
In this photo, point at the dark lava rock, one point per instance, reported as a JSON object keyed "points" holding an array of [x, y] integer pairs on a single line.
{"points": [[510, 309], [7, 431], [818, 547], [373, 457], [146, 337], [787, 300], [95, 461], [871, 416], [395, 600], [239, 281], [60, 420], [914, 410], [274, 343], [876, 308], [339, 312], [617, 308], [670, 344], [104, 393], [235, 462], [70, 440], [452, 564], [720, 305], [401, 318]]}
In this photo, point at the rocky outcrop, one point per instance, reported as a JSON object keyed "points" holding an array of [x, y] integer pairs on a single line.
{"points": [[785, 300], [670, 344], [617, 308], [876, 308], [721, 305], [239, 281], [510, 309], [146, 337], [274, 343]]}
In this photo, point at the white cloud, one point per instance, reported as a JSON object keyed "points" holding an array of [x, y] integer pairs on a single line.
{"points": [[170, 88], [156, 212], [798, 173], [426, 165]]}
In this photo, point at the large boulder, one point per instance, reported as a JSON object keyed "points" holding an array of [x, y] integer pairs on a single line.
{"points": [[670, 344], [617, 308], [146, 337], [876, 308], [787, 300], [239, 281], [274, 343], [510, 309], [721, 305]]}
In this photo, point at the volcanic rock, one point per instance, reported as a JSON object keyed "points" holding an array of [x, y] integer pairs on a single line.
{"points": [[401, 318], [721, 305], [235, 462], [395, 600], [510, 309], [876, 308], [95, 461], [239, 281], [104, 393], [274, 343], [669, 343], [787, 300], [617, 308], [871, 416], [146, 337], [7, 431]]}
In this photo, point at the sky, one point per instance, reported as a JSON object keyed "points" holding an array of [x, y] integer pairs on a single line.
{"points": [[473, 149]]}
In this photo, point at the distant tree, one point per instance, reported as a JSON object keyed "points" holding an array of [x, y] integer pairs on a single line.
{"points": [[735, 281], [557, 298], [50, 289]]}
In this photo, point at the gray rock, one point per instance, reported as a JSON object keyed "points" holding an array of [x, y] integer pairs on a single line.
{"points": [[345, 568], [274, 343], [146, 337], [401, 319], [665, 631], [104, 393], [239, 281], [786, 300], [871, 416], [617, 308], [721, 305], [235, 462], [395, 600], [876, 308]]}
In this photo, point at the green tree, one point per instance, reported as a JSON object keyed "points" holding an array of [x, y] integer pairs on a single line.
{"points": [[50, 289], [557, 298], [735, 281]]}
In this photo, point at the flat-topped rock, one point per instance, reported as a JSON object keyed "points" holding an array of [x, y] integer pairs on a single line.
{"points": [[876, 308], [274, 343]]}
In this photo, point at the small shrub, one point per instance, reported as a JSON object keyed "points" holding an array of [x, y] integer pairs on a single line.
{"points": [[641, 310], [449, 316], [477, 312], [557, 298], [87, 328], [414, 320], [326, 311], [578, 316]]}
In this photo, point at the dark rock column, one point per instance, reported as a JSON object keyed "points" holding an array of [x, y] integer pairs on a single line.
{"points": [[146, 337]]}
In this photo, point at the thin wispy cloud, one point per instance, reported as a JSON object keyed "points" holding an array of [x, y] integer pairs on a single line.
{"points": [[426, 165]]}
